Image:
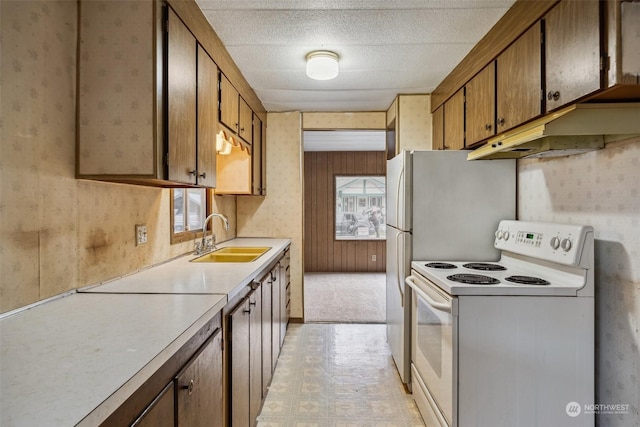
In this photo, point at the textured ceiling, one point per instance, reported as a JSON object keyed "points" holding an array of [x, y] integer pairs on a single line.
{"points": [[385, 47]]}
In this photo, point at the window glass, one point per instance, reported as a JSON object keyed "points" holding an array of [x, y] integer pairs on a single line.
{"points": [[360, 207], [189, 210]]}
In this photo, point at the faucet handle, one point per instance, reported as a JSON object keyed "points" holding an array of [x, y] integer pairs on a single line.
{"points": [[211, 242], [198, 247]]}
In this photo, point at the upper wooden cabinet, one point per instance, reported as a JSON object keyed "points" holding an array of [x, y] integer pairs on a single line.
{"points": [[519, 81], [454, 122], [480, 100], [148, 93], [235, 112], [207, 115], [437, 139], [229, 104], [259, 159], [181, 102], [245, 126], [572, 52]]}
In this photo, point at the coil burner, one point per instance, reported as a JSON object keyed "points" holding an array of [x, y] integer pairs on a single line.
{"points": [[473, 279]]}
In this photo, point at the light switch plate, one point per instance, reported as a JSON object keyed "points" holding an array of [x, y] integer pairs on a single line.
{"points": [[373, 258], [141, 234]]}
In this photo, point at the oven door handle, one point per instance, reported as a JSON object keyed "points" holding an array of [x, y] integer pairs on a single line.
{"points": [[437, 305]]}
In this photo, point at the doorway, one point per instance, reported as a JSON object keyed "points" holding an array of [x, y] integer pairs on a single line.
{"points": [[344, 231]]}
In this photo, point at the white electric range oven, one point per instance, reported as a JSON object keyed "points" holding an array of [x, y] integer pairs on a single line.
{"points": [[507, 343]]}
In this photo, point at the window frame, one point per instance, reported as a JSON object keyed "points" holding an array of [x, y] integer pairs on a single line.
{"points": [[356, 203], [185, 236]]}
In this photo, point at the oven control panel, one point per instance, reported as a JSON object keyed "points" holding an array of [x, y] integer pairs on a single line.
{"points": [[561, 243]]}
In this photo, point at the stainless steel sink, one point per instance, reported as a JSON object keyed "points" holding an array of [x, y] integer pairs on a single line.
{"points": [[233, 254]]}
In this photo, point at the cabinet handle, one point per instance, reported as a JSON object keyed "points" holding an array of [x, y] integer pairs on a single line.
{"points": [[203, 175], [501, 121], [446, 147], [192, 172], [252, 303], [236, 125], [188, 387], [487, 126], [242, 130], [553, 95]]}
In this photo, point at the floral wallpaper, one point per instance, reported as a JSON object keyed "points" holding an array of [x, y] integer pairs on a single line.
{"points": [[279, 213], [58, 233], [600, 188], [413, 124]]}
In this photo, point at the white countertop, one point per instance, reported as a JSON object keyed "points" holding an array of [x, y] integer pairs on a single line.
{"points": [[75, 359], [180, 276], [79, 357]]}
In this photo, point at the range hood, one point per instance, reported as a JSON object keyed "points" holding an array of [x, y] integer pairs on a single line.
{"points": [[572, 130]]}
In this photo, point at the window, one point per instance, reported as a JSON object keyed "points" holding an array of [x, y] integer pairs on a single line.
{"points": [[360, 207], [188, 207]]}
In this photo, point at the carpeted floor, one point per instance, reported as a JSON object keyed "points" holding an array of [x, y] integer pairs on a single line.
{"points": [[344, 297]]}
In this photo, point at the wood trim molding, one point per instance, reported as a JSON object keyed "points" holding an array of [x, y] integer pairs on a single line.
{"points": [[515, 22]]}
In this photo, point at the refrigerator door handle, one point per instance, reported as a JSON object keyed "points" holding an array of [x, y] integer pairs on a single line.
{"points": [[400, 260], [400, 223]]}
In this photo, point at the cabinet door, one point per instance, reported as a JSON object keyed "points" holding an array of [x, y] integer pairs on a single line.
{"points": [[239, 360], [207, 112], [275, 309], [284, 296], [257, 154], [199, 393], [519, 81], [454, 122], [267, 367], [228, 104], [181, 101], [572, 51], [160, 412], [438, 129], [255, 350], [480, 105], [245, 122]]}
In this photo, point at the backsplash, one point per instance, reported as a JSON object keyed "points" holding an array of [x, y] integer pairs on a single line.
{"points": [[58, 233], [602, 189]]}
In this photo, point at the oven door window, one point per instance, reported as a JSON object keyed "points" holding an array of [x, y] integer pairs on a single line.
{"points": [[433, 328]]}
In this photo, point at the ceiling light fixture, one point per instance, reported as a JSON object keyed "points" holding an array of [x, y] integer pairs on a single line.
{"points": [[322, 65]]}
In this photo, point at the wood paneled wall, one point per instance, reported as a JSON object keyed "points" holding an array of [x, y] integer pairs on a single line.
{"points": [[322, 253]]}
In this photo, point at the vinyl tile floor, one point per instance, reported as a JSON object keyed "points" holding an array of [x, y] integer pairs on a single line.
{"points": [[335, 375]]}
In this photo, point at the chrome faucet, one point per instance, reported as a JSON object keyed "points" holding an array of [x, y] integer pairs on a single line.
{"points": [[203, 246]]}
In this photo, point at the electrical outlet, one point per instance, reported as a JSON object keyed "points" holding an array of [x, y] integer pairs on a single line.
{"points": [[141, 234], [373, 258]]}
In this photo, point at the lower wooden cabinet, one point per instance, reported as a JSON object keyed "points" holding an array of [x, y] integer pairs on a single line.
{"points": [[194, 394], [160, 413], [266, 286], [198, 387], [245, 340], [255, 330], [239, 370]]}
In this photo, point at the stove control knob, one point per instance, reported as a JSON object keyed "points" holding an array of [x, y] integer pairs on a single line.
{"points": [[555, 242], [506, 235], [499, 234], [566, 245]]}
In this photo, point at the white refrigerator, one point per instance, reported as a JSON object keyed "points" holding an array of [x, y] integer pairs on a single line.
{"points": [[440, 207]]}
